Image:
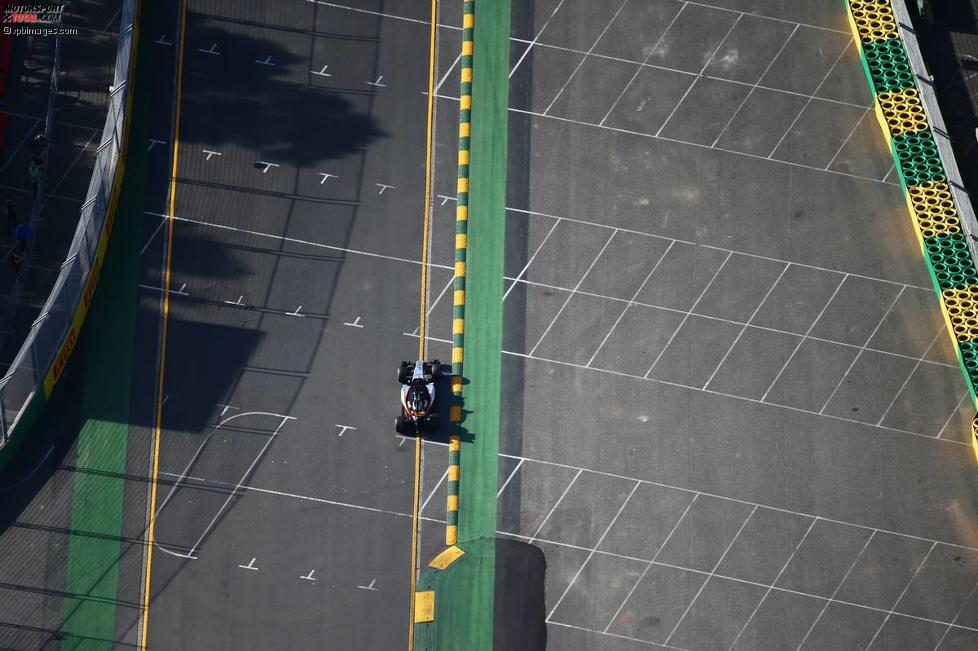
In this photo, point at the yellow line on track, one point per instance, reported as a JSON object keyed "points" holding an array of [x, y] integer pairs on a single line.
{"points": [[423, 319], [151, 529]]}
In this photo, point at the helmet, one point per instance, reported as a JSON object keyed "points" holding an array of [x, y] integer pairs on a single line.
{"points": [[418, 400]]}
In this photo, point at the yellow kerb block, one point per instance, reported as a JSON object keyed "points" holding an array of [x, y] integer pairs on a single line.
{"points": [[466, 75], [461, 240], [455, 414], [872, 21], [468, 21], [463, 185], [460, 269], [462, 213], [456, 385], [467, 48], [933, 209], [464, 129], [451, 534], [463, 156], [459, 297], [448, 556], [453, 502], [961, 312], [452, 473], [454, 444], [901, 112], [424, 606], [457, 356], [466, 102], [458, 326]]}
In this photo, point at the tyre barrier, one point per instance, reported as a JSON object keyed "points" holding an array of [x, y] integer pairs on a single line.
{"points": [[936, 218]]}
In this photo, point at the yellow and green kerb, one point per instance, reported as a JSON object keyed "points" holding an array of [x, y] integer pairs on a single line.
{"points": [[461, 242], [908, 133]]}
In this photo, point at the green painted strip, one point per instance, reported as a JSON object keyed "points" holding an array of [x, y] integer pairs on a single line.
{"points": [[109, 341]]}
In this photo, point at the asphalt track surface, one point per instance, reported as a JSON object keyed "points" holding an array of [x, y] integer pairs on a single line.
{"points": [[731, 416]]}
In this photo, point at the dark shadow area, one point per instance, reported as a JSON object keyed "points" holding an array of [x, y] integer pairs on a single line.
{"points": [[948, 37], [520, 598], [518, 252], [285, 122]]}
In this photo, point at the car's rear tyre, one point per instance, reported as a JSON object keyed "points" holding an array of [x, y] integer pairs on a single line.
{"points": [[404, 372], [402, 426], [436, 371]]}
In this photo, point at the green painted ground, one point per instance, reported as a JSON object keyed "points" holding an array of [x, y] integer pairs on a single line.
{"points": [[108, 339], [464, 601]]}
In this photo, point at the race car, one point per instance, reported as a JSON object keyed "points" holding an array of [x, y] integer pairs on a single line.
{"points": [[417, 381]]}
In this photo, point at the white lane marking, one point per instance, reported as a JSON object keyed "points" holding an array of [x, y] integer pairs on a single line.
{"points": [[267, 165], [178, 292], [213, 50], [344, 428], [326, 176], [321, 73], [296, 312], [162, 40], [384, 187], [251, 565], [210, 153], [267, 61], [153, 142], [239, 302], [310, 577], [378, 82], [370, 587], [355, 323]]}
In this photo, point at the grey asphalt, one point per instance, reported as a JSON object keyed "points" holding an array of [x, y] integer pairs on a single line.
{"points": [[292, 293], [732, 415]]}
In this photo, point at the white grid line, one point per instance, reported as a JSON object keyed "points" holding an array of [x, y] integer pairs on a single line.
{"points": [[449, 72], [711, 574], [434, 265], [433, 491], [841, 419], [519, 276], [419, 21], [699, 76], [956, 617], [655, 557], [855, 359], [734, 152], [735, 82], [888, 172], [591, 555], [535, 38], [940, 331], [679, 311], [801, 341], [519, 465], [774, 582], [573, 291], [686, 317], [639, 70], [743, 329], [754, 87], [845, 49], [536, 213], [583, 59], [553, 508], [630, 302], [779, 20], [848, 137], [831, 598], [900, 598], [966, 395], [616, 635]]}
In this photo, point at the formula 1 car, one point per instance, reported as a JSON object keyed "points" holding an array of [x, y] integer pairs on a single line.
{"points": [[417, 381]]}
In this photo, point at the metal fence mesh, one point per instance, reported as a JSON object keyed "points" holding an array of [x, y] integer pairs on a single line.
{"points": [[26, 374]]}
